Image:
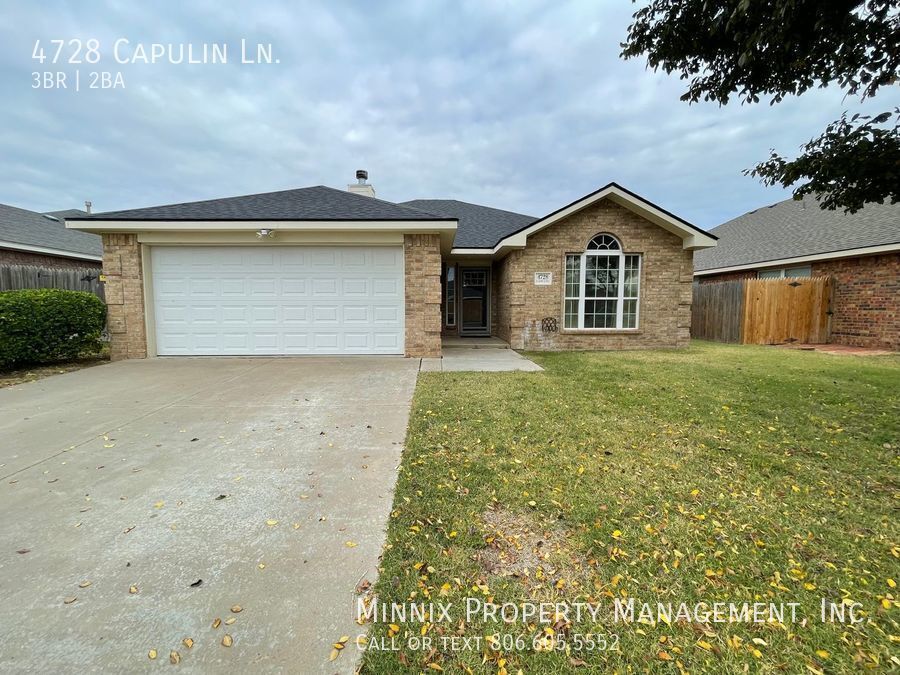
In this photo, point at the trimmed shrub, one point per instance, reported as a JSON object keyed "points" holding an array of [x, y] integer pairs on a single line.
{"points": [[44, 325]]}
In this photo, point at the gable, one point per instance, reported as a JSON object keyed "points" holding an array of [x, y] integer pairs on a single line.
{"points": [[691, 236]]}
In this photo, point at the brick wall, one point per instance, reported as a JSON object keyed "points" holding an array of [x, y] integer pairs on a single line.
{"points": [[665, 291], [124, 296], [728, 276], [11, 257], [423, 294], [865, 300]]}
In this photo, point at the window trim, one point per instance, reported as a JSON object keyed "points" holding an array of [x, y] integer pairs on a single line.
{"points": [[620, 297], [784, 272], [450, 305]]}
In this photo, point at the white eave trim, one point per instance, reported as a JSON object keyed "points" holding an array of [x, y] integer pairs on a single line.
{"points": [[845, 253], [49, 251], [692, 239], [418, 226]]}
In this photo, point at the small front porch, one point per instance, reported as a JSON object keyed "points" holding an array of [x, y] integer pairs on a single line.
{"points": [[485, 354], [452, 341], [466, 300]]}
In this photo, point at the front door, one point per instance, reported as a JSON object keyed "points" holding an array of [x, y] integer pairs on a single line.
{"points": [[475, 311]]}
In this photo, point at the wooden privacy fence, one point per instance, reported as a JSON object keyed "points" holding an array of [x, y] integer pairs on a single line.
{"points": [[763, 311], [14, 277]]}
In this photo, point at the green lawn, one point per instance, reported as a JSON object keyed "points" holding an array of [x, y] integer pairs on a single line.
{"points": [[718, 474]]}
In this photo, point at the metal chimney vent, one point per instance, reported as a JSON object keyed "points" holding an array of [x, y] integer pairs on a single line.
{"points": [[362, 176]]}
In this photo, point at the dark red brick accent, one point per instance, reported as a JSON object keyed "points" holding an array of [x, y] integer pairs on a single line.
{"points": [[13, 257], [727, 276], [865, 300]]}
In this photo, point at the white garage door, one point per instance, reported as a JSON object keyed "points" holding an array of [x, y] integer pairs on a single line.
{"points": [[278, 300]]}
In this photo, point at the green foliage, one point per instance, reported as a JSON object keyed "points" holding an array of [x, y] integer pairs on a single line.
{"points": [[786, 47], [849, 164], [46, 325]]}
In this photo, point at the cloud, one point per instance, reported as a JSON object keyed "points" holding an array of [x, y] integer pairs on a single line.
{"points": [[520, 105]]}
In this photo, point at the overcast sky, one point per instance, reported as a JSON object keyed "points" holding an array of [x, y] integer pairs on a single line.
{"points": [[519, 105]]}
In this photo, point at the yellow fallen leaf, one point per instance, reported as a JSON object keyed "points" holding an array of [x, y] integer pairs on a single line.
{"points": [[437, 667], [262, 566], [334, 654], [237, 609], [892, 583], [174, 657], [84, 584], [227, 641], [271, 522], [132, 589], [151, 654], [664, 656], [703, 644], [230, 620], [159, 505], [188, 642], [616, 534], [822, 654], [885, 603], [343, 639], [350, 544], [69, 600], [217, 622]]}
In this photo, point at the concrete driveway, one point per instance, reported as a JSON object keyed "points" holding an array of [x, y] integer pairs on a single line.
{"points": [[269, 479]]}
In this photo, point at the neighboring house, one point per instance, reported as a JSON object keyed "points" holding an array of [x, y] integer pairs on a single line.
{"points": [[798, 238], [42, 239], [322, 271]]}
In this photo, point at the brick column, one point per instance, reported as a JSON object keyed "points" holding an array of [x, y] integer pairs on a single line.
{"points": [[124, 290], [422, 254]]}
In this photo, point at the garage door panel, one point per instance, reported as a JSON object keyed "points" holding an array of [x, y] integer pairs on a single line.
{"points": [[386, 314], [386, 288], [322, 257], [353, 257], [387, 257], [355, 287], [356, 314], [278, 300], [294, 287], [386, 341], [324, 287]]}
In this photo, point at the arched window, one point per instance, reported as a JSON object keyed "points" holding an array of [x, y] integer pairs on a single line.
{"points": [[602, 286]]}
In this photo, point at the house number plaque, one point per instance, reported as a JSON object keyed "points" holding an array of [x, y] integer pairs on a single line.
{"points": [[543, 278]]}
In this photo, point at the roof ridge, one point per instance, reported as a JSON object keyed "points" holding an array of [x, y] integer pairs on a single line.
{"points": [[462, 201], [378, 199], [196, 201]]}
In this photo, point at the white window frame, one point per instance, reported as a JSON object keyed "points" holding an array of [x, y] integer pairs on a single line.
{"points": [[784, 272], [620, 297]]}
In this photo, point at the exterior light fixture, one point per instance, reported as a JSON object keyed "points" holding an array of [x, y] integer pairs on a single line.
{"points": [[265, 232]]}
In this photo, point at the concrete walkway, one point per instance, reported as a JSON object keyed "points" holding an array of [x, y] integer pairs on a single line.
{"points": [[478, 354], [125, 485]]}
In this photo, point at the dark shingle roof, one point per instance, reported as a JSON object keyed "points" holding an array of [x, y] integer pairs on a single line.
{"points": [[68, 213], [29, 228], [794, 228], [310, 203], [479, 226]]}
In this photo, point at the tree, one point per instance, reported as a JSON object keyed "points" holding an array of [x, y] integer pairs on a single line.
{"points": [[777, 48]]}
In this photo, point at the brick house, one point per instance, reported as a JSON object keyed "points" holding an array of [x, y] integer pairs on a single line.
{"points": [[323, 271], [41, 239], [798, 238]]}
